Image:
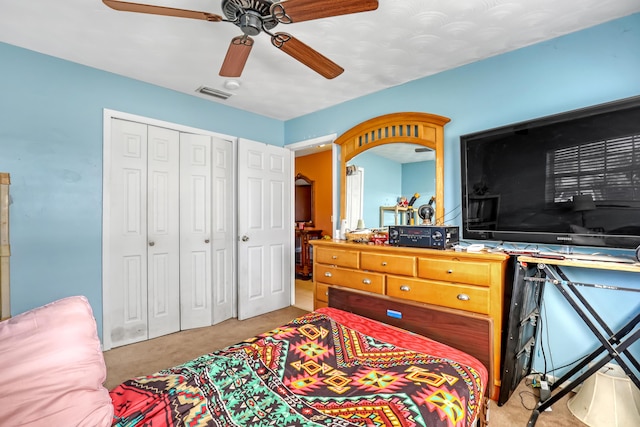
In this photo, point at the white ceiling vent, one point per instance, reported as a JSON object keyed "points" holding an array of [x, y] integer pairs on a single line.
{"points": [[213, 92]]}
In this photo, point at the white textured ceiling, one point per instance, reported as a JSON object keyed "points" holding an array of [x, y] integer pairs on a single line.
{"points": [[401, 152], [402, 40]]}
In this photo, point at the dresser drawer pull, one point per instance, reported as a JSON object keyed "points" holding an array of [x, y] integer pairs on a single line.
{"points": [[366, 281], [463, 297], [405, 288], [328, 274], [334, 257], [449, 271], [384, 263]]}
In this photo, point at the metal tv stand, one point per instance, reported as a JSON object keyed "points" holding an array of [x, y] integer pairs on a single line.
{"points": [[613, 344]]}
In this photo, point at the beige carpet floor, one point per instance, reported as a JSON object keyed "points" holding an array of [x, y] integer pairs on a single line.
{"points": [[153, 355], [304, 294]]}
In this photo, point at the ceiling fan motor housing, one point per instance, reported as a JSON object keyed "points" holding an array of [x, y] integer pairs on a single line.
{"points": [[250, 23], [252, 16]]}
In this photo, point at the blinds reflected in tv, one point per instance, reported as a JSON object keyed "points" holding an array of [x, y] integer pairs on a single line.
{"points": [[608, 171]]}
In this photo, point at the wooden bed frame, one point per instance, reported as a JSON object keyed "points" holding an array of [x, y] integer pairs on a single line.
{"points": [[469, 332]]}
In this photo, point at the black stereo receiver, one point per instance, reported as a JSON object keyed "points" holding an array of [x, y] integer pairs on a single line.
{"points": [[423, 236]]}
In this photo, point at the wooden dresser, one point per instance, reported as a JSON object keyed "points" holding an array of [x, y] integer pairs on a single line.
{"points": [[5, 251], [473, 282]]}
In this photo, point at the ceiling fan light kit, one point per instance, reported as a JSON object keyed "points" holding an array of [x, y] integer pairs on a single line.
{"points": [[256, 16], [232, 85]]}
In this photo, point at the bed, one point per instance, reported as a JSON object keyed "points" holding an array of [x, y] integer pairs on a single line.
{"points": [[348, 364]]}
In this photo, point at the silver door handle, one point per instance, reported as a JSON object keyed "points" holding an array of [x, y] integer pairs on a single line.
{"points": [[206, 240], [245, 238], [152, 243]]}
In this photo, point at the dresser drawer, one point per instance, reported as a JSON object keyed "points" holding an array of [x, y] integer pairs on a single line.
{"points": [[320, 304], [387, 263], [469, 298], [363, 280], [454, 270], [322, 292], [339, 257]]}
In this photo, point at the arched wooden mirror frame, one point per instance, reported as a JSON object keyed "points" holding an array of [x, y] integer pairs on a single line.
{"points": [[409, 127], [311, 199]]}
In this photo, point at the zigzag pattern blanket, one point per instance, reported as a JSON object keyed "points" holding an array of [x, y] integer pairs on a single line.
{"points": [[327, 368]]}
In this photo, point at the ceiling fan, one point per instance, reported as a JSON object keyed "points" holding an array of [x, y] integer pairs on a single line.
{"points": [[255, 16]]}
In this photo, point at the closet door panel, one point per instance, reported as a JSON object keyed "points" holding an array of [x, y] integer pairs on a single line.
{"points": [[195, 231], [125, 269], [163, 226], [223, 242]]}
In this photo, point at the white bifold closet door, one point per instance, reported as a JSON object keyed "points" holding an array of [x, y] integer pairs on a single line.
{"points": [[161, 232], [195, 231]]}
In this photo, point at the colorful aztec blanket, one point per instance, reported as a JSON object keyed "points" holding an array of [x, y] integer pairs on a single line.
{"points": [[314, 371]]}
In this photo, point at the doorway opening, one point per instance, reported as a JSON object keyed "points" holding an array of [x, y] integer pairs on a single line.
{"points": [[314, 208]]}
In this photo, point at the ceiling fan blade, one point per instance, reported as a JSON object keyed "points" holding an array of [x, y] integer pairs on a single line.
{"points": [[236, 57], [289, 11], [305, 54], [161, 10]]}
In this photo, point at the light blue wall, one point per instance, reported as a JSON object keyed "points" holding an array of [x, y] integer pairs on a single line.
{"points": [[593, 66], [51, 142], [382, 185]]}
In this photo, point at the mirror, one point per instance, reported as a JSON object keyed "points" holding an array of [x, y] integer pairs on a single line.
{"points": [[389, 172], [421, 130], [304, 198]]}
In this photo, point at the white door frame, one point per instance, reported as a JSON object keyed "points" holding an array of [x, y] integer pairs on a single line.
{"points": [[354, 202], [107, 116], [335, 184]]}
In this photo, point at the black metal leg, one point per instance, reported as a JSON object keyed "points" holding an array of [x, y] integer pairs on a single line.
{"points": [[553, 399], [613, 346], [533, 418]]}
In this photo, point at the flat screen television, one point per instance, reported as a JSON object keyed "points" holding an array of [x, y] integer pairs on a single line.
{"points": [[567, 179]]}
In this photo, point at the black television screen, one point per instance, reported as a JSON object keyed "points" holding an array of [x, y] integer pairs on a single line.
{"points": [[567, 179]]}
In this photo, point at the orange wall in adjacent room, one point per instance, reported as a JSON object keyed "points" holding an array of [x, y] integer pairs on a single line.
{"points": [[317, 167]]}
